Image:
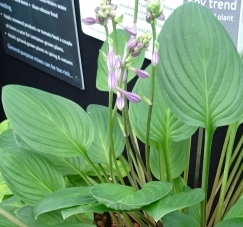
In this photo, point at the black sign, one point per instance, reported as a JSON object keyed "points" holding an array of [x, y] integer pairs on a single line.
{"points": [[43, 33]]}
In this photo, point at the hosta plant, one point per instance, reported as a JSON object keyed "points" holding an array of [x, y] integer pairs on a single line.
{"points": [[62, 166]]}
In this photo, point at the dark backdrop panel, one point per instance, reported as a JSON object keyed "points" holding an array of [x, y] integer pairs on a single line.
{"points": [[14, 71]]}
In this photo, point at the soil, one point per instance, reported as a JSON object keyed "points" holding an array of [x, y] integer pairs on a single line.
{"points": [[104, 220]]}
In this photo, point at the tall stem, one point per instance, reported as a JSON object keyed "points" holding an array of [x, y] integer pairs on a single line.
{"points": [[135, 16], [205, 174], [226, 173], [216, 179], [150, 108]]}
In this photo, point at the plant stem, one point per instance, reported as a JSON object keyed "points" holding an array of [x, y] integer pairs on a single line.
{"points": [[238, 193], [205, 174], [166, 148], [135, 15], [13, 219], [226, 172], [233, 187], [198, 156], [150, 108], [216, 179], [115, 39], [161, 173]]}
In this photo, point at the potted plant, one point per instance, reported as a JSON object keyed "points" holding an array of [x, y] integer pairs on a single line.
{"points": [[63, 164]]}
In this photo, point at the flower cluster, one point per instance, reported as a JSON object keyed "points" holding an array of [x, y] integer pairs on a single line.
{"points": [[103, 12], [154, 11]]}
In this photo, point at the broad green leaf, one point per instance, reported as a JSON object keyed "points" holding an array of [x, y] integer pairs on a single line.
{"points": [[99, 149], [64, 198], [174, 202], [7, 139], [234, 222], [94, 207], [163, 122], [47, 122], [200, 70], [12, 204], [53, 219], [121, 197], [179, 155], [102, 72], [235, 211], [4, 126], [177, 219], [28, 175], [6, 223], [4, 189]]}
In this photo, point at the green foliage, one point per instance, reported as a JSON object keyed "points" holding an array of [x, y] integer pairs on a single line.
{"points": [[174, 202], [59, 122], [200, 72], [120, 197], [60, 164]]}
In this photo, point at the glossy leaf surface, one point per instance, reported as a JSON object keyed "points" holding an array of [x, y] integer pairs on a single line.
{"points": [[47, 122], [174, 202], [235, 211], [28, 175], [99, 149], [200, 70], [64, 198], [177, 219], [163, 122], [94, 207], [120, 197], [178, 159], [234, 222]]}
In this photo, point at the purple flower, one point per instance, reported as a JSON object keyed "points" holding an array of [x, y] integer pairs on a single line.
{"points": [[155, 58], [132, 97], [161, 17], [89, 21], [117, 73], [111, 59], [119, 101], [141, 73], [112, 80], [135, 53], [131, 31], [132, 43]]}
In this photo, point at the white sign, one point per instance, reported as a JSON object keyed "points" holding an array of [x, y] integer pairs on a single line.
{"points": [[228, 12]]}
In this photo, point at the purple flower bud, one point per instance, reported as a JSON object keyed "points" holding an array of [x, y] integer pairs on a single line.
{"points": [[118, 73], [96, 9], [140, 45], [112, 80], [100, 20], [132, 43], [119, 101], [135, 54], [89, 21], [161, 17], [131, 31], [111, 59], [113, 6], [118, 62], [132, 97], [155, 58], [141, 73]]}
